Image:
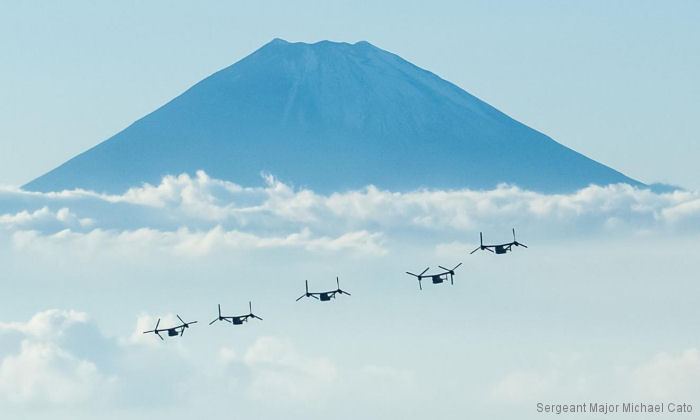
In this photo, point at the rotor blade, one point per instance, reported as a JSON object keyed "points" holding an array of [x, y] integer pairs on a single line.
{"points": [[477, 248], [414, 275], [343, 292], [489, 249], [250, 306], [219, 310], [307, 286], [157, 323], [446, 269], [519, 244], [256, 317], [178, 317], [452, 279], [146, 332], [337, 281], [159, 336], [314, 296], [300, 297], [425, 271], [481, 238], [514, 235], [182, 331], [214, 321], [420, 286], [192, 322]]}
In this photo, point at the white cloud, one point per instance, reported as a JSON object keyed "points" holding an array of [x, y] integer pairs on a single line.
{"points": [[664, 377], [279, 370], [194, 215], [184, 201], [43, 371], [61, 217], [184, 242], [524, 386], [668, 376], [47, 325], [227, 356]]}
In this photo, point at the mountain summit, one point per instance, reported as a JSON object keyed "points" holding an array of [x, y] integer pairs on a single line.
{"points": [[330, 116]]}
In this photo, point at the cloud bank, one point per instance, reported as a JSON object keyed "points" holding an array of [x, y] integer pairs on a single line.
{"points": [[191, 215]]}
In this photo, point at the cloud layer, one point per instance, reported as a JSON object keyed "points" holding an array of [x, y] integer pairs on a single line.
{"points": [[193, 215]]}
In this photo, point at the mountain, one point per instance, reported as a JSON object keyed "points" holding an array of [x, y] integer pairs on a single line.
{"points": [[330, 116]]}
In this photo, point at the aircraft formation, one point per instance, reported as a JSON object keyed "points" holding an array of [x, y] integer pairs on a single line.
{"points": [[436, 278]]}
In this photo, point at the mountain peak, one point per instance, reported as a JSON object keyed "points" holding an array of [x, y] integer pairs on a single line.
{"points": [[324, 42], [330, 116]]}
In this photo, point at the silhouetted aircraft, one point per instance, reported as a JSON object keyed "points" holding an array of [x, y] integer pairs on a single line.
{"points": [[436, 278], [324, 296], [500, 248], [237, 319], [172, 331]]}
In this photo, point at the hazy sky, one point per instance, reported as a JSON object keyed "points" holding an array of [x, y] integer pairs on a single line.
{"points": [[616, 81], [602, 306]]}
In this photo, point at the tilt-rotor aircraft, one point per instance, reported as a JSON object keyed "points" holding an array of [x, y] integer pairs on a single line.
{"points": [[436, 278], [172, 331], [237, 319], [499, 248], [324, 296]]}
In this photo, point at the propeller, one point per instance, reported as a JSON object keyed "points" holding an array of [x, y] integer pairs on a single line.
{"points": [[419, 277], [515, 242], [184, 325], [341, 291], [219, 318], [451, 272], [307, 294], [481, 243], [155, 330], [307, 291], [252, 315]]}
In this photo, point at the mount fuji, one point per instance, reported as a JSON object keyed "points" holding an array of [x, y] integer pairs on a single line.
{"points": [[331, 117]]}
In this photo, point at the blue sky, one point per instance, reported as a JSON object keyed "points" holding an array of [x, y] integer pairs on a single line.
{"points": [[601, 307], [615, 81]]}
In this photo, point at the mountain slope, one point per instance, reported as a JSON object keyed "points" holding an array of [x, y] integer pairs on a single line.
{"points": [[330, 116]]}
